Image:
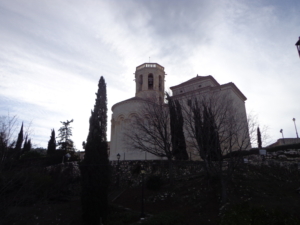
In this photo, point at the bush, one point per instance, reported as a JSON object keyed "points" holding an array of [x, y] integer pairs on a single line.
{"points": [[120, 216], [31, 155], [154, 182], [136, 169], [246, 215]]}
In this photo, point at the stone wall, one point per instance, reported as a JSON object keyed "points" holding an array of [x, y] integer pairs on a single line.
{"points": [[129, 172]]}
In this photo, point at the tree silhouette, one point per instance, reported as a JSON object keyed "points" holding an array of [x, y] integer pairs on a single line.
{"points": [[51, 144], [19, 143], [27, 145], [65, 132], [177, 134], [95, 166], [259, 143]]}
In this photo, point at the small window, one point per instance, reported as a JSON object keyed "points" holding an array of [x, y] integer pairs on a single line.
{"points": [[150, 81]]}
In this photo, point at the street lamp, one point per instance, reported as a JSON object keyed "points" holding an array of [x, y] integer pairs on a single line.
{"points": [[298, 46], [142, 206], [118, 170], [281, 131], [295, 127]]}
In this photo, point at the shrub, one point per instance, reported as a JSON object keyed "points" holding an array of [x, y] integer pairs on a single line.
{"points": [[247, 215], [31, 154], [136, 169], [120, 216], [154, 182]]}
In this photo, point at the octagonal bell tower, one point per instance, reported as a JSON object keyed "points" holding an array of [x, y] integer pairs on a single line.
{"points": [[150, 81]]}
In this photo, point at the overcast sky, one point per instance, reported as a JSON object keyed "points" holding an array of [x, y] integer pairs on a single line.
{"points": [[52, 54]]}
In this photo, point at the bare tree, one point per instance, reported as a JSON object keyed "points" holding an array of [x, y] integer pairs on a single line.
{"points": [[253, 124], [149, 130], [216, 126], [7, 131]]}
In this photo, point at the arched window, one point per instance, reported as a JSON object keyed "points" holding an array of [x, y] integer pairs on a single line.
{"points": [[150, 82], [159, 83], [141, 82]]}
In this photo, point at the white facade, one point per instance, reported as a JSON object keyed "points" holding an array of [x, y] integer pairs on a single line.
{"points": [[149, 79], [227, 97]]}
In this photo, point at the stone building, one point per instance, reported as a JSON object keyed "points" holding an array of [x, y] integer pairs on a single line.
{"points": [[149, 79]]}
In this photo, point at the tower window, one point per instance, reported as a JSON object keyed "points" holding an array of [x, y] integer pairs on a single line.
{"points": [[150, 81]]}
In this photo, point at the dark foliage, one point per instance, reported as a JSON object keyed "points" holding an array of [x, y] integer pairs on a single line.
{"points": [[253, 151], [31, 155], [19, 143], [51, 144], [27, 145], [95, 166], [136, 169], [244, 214], [206, 133], [154, 183], [177, 134]]}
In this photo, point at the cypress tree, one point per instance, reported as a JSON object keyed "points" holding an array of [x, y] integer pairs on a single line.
{"points": [[206, 133], [52, 143], [180, 134], [177, 134], [259, 143], [211, 135], [27, 145], [95, 166], [19, 143]]}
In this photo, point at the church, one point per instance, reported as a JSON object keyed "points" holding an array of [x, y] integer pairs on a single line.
{"points": [[150, 81]]}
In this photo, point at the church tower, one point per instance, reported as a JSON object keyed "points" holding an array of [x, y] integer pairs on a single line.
{"points": [[149, 80]]}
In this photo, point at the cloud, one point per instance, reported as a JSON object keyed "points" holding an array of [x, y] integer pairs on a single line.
{"points": [[52, 54]]}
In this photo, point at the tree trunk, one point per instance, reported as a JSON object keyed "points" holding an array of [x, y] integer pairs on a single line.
{"points": [[223, 190], [171, 171]]}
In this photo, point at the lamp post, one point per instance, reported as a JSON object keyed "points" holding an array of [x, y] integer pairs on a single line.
{"points": [[295, 127], [298, 46], [142, 206], [118, 170], [281, 131]]}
